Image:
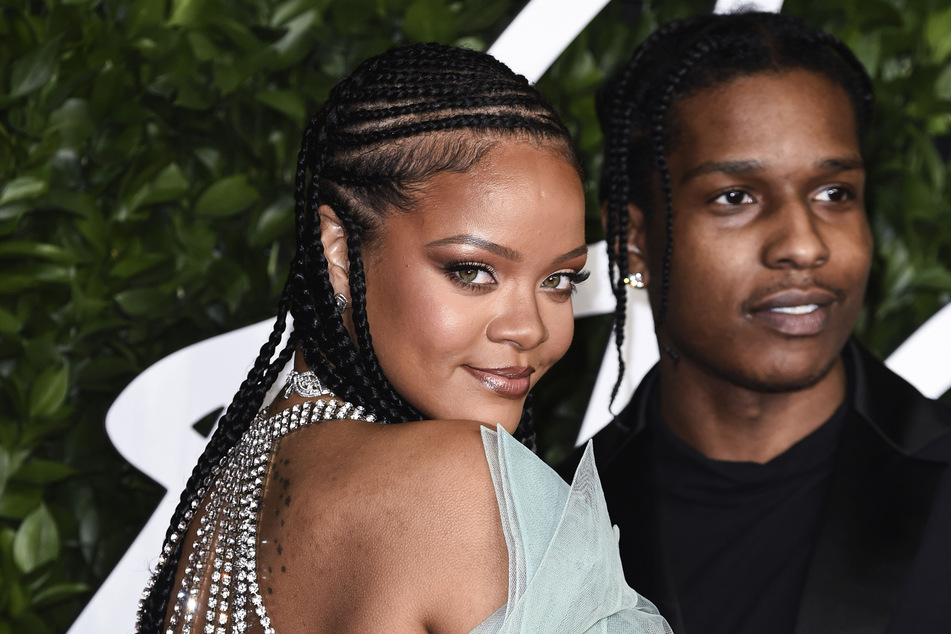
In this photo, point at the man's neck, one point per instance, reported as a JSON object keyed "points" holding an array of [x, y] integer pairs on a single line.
{"points": [[725, 421]]}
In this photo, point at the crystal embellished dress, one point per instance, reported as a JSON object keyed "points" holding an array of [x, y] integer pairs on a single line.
{"points": [[564, 569]]}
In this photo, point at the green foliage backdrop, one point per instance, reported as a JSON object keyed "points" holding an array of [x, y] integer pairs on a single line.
{"points": [[146, 164]]}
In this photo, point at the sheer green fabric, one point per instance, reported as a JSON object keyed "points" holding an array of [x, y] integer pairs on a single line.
{"points": [[564, 568]]}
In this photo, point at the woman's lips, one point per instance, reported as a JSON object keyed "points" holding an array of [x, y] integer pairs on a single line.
{"points": [[795, 312], [510, 382]]}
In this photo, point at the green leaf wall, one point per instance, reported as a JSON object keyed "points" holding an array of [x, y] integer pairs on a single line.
{"points": [[147, 155]]}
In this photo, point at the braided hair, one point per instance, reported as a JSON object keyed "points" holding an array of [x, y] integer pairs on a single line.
{"points": [[637, 112], [396, 121]]}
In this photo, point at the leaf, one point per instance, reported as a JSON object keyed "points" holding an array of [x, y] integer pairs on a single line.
{"points": [[14, 211], [275, 221], [938, 33], [9, 324], [10, 463], [137, 263], [40, 471], [188, 12], [20, 499], [942, 85], [288, 102], [59, 592], [481, 15], [203, 47], [36, 541], [228, 196], [170, 184], [429, 21], [297, 40], [35, 69], [73, 122], [37, 250], [144, 15], [288, 10], [23, 188], [49, 391], [142, 301]]}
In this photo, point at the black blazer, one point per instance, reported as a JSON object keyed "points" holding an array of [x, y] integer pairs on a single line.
{"points": [[882, 561]]}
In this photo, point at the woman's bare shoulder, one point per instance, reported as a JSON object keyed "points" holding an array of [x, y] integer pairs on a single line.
{"points": [[388, 515]]}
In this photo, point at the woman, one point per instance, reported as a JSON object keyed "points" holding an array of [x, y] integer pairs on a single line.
{"points": [[440, 234]]}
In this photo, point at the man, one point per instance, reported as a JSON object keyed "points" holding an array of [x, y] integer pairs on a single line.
{"points": [[769, 475]]}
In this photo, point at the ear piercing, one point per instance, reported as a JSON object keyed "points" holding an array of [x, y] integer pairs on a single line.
{"points": [[342, 302], [634, 280], [632, 248]]}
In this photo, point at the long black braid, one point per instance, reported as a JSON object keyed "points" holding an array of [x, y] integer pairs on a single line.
{"points": [[637, 113], [396, 121]]}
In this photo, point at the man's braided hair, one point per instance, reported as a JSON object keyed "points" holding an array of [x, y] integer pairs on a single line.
{"points": [[638, 115], [395, 122]]}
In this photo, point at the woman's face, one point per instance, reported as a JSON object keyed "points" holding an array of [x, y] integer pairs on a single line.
{"points": [[469, 295]]}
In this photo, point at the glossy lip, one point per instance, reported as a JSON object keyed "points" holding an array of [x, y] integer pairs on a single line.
{"points": [[795, 312], [510, 382]]}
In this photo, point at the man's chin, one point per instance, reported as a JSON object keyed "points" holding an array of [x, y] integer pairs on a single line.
{"points": [[787, 381]]}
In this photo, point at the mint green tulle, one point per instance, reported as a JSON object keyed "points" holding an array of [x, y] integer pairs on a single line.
{"points": [[564, 567]]}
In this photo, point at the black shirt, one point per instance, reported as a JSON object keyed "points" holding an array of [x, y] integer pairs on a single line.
{"points": [[739, 535]]}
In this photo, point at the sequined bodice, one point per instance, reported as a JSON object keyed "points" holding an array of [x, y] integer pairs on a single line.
{"points": [[220, 577]]}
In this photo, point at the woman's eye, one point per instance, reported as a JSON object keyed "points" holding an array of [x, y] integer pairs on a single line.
{"points": [[734, 197], [558, 282], [566, 281], [471, 275], [834, 195]]}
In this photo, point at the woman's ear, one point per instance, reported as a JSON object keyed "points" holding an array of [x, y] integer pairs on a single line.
{"points": [[334, 238], [637, 260]]}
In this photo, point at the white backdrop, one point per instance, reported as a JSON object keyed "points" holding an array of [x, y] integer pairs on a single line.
{"points": [[151, 421]]}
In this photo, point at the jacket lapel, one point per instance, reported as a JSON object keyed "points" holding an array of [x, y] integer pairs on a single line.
{"points": [[878, 503]]}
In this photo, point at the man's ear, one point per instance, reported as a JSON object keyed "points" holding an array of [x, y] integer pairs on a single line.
{"points": [[637, 260], [334, 238], [636, 245]]}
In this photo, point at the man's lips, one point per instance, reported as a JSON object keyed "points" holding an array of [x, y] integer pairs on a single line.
{"points": [[509, 382], [794, 311]]}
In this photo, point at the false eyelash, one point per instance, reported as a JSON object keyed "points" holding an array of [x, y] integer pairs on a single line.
{"points": [[580, 276], [450, 268]]}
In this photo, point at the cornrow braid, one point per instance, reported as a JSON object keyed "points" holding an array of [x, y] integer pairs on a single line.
{"points": [[396, 121], [636, 110]]}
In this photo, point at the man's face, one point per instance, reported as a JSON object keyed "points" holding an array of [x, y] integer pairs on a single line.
{"points": [[771, 246]]}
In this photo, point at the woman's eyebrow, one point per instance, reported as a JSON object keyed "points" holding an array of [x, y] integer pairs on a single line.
{"points": [[573, 253], [486, 245]]}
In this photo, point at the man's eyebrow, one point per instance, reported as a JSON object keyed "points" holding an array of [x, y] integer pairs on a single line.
{"points": [[841, 164], [573, 253], [485, 245], [724, 167], [838, 164]]}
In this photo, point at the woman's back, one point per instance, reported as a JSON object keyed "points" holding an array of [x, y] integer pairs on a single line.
{"points": [[381, 528], [367, 527]]}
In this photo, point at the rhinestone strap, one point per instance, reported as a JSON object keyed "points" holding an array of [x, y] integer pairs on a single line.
{"points": [[226, 537]]}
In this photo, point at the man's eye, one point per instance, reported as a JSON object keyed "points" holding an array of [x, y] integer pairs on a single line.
{"points": [[834, 195], [734, 197]]}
